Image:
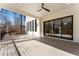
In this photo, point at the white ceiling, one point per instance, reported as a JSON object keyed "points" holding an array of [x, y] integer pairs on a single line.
{"points": [[31, 8]]}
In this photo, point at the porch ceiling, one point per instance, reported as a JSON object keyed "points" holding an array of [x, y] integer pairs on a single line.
{"points": [[31, 8]]}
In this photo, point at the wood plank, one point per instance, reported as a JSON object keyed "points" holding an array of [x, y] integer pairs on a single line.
{"points": [[2, 53], [26, 50], [21, 50], [29, 50], [5, 51], [1, 50], [14, 50], [26, 53], [10, 50], [33, 47]]}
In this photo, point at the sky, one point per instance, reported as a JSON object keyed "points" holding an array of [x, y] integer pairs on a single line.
{"points": [[10, 16]]}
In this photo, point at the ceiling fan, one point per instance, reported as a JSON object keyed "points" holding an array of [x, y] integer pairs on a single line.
{"points": [[43, 8]]}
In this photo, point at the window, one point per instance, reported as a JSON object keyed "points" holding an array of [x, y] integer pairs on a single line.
{"points": [[61, 27], [35, 25], [27, 26], [32, 25], [13, 21]]}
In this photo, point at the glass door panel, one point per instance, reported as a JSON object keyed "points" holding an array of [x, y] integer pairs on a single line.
{"points": [[61, 27], [46, 28], [51, 29], [67, 27], [57, 28]]}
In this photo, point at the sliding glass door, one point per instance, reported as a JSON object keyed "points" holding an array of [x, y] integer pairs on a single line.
{"points": [[57, 28], [51, 28], [61, 27], [67, 27], [47, 28]]}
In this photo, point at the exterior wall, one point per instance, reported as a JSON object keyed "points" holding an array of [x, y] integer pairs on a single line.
{"points": [[74, 10]]}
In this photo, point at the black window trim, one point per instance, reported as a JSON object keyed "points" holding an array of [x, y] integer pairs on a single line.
{"points": [[61, 26]]}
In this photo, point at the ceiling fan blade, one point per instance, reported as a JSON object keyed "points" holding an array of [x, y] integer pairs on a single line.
{"points": [[42, 4], [38, 10], [46, 9], [42, 7]]}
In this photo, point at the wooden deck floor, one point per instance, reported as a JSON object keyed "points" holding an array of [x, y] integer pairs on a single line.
{"points": [[7, 47], [8, 50], [29, 47], [35, 48]]}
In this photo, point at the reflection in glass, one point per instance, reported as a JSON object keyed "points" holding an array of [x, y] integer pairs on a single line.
{"points": [[61, 27], [51, 24], [35, 25], [32, 25], [47, 28], [27, 26], [67, 27], [57, 27], [12, 22]]}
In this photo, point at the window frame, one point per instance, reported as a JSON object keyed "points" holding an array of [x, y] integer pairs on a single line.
{"points": [[61, 18]]}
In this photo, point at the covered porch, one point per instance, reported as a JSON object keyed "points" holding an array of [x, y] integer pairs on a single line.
{"points": [[25, 45]]}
